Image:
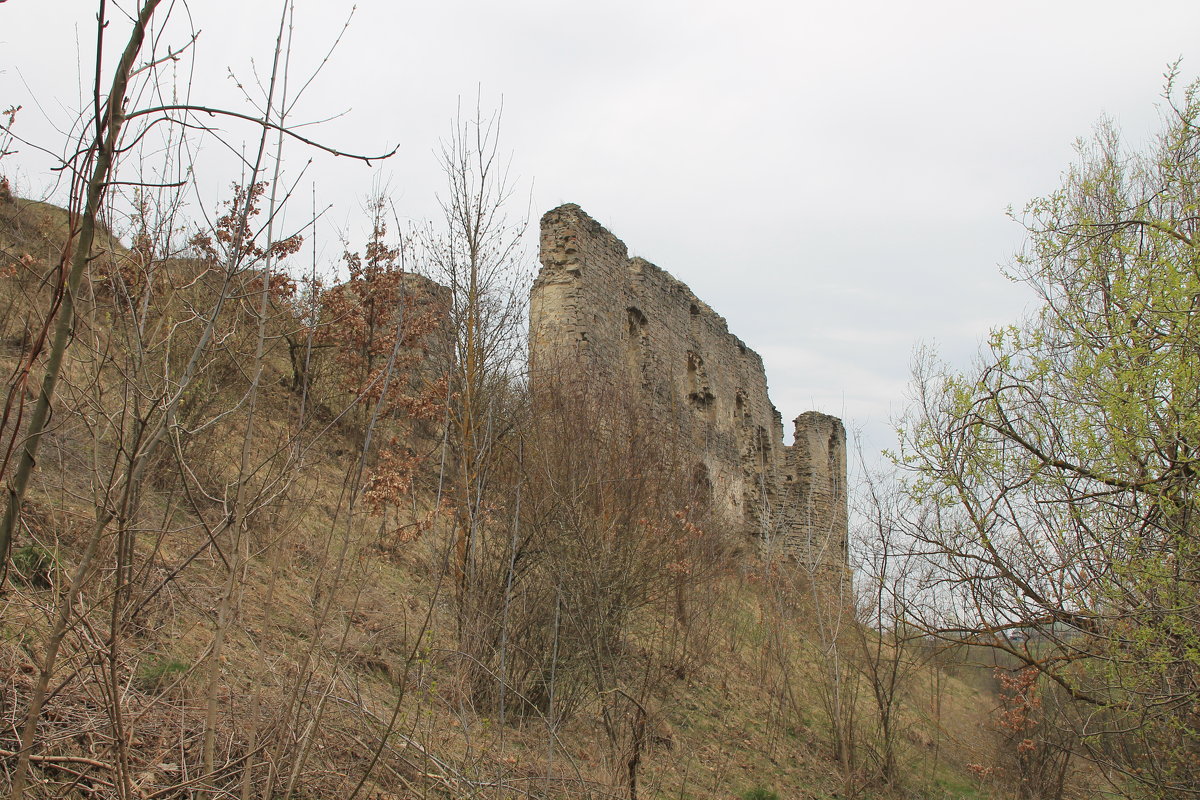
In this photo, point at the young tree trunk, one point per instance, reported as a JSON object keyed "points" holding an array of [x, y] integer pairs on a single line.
{"points": [[103, 151]]}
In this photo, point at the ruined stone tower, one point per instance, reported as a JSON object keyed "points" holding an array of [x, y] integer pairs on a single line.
{"points": [[626, 322]]}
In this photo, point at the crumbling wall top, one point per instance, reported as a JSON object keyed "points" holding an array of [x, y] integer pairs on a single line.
{"points": [[626, 321]]}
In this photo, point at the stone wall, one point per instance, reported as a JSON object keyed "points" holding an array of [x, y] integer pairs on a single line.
{"points": [[625, 322]]}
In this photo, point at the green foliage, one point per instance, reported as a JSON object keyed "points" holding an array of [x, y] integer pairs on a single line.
{"points": [[1061, 475], [158, 672], [759, 793], [33, 565], [953, 787]]}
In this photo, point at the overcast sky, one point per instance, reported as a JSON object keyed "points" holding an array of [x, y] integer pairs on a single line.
{"points": [[831, 177]]}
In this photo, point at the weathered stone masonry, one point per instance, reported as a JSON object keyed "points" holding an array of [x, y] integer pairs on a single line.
{"points": [[625, 321]]}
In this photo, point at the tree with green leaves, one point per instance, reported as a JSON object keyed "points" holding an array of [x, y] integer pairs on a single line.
{"points": [[1062, 471]]}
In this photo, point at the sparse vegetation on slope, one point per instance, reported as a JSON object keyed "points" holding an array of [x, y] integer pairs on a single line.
{"points": [[289, 538], [340, 657]]}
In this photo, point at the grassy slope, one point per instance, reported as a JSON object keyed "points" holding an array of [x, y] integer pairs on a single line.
{"points": [[308, 647]]}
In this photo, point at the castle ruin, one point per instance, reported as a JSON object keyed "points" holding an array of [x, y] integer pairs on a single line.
{"points": [[626, 322]]}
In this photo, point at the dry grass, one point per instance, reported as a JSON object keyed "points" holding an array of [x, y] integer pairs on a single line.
{"points": [[342, 641]]}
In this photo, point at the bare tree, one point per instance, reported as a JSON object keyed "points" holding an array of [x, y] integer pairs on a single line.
{"points": [[135, 409], [889, 574], [476, 252]]}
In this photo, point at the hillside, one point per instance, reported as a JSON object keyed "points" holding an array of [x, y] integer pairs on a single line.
{"points": [[236, 571]]}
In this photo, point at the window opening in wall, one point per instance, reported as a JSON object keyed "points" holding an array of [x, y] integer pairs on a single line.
{"points": [[764, 444], [699, 393], [636, 343], [637, 322]]}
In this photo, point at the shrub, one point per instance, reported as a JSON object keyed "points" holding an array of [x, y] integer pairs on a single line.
{"points": [[33, 565], [759, 793], [155, 674]]}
